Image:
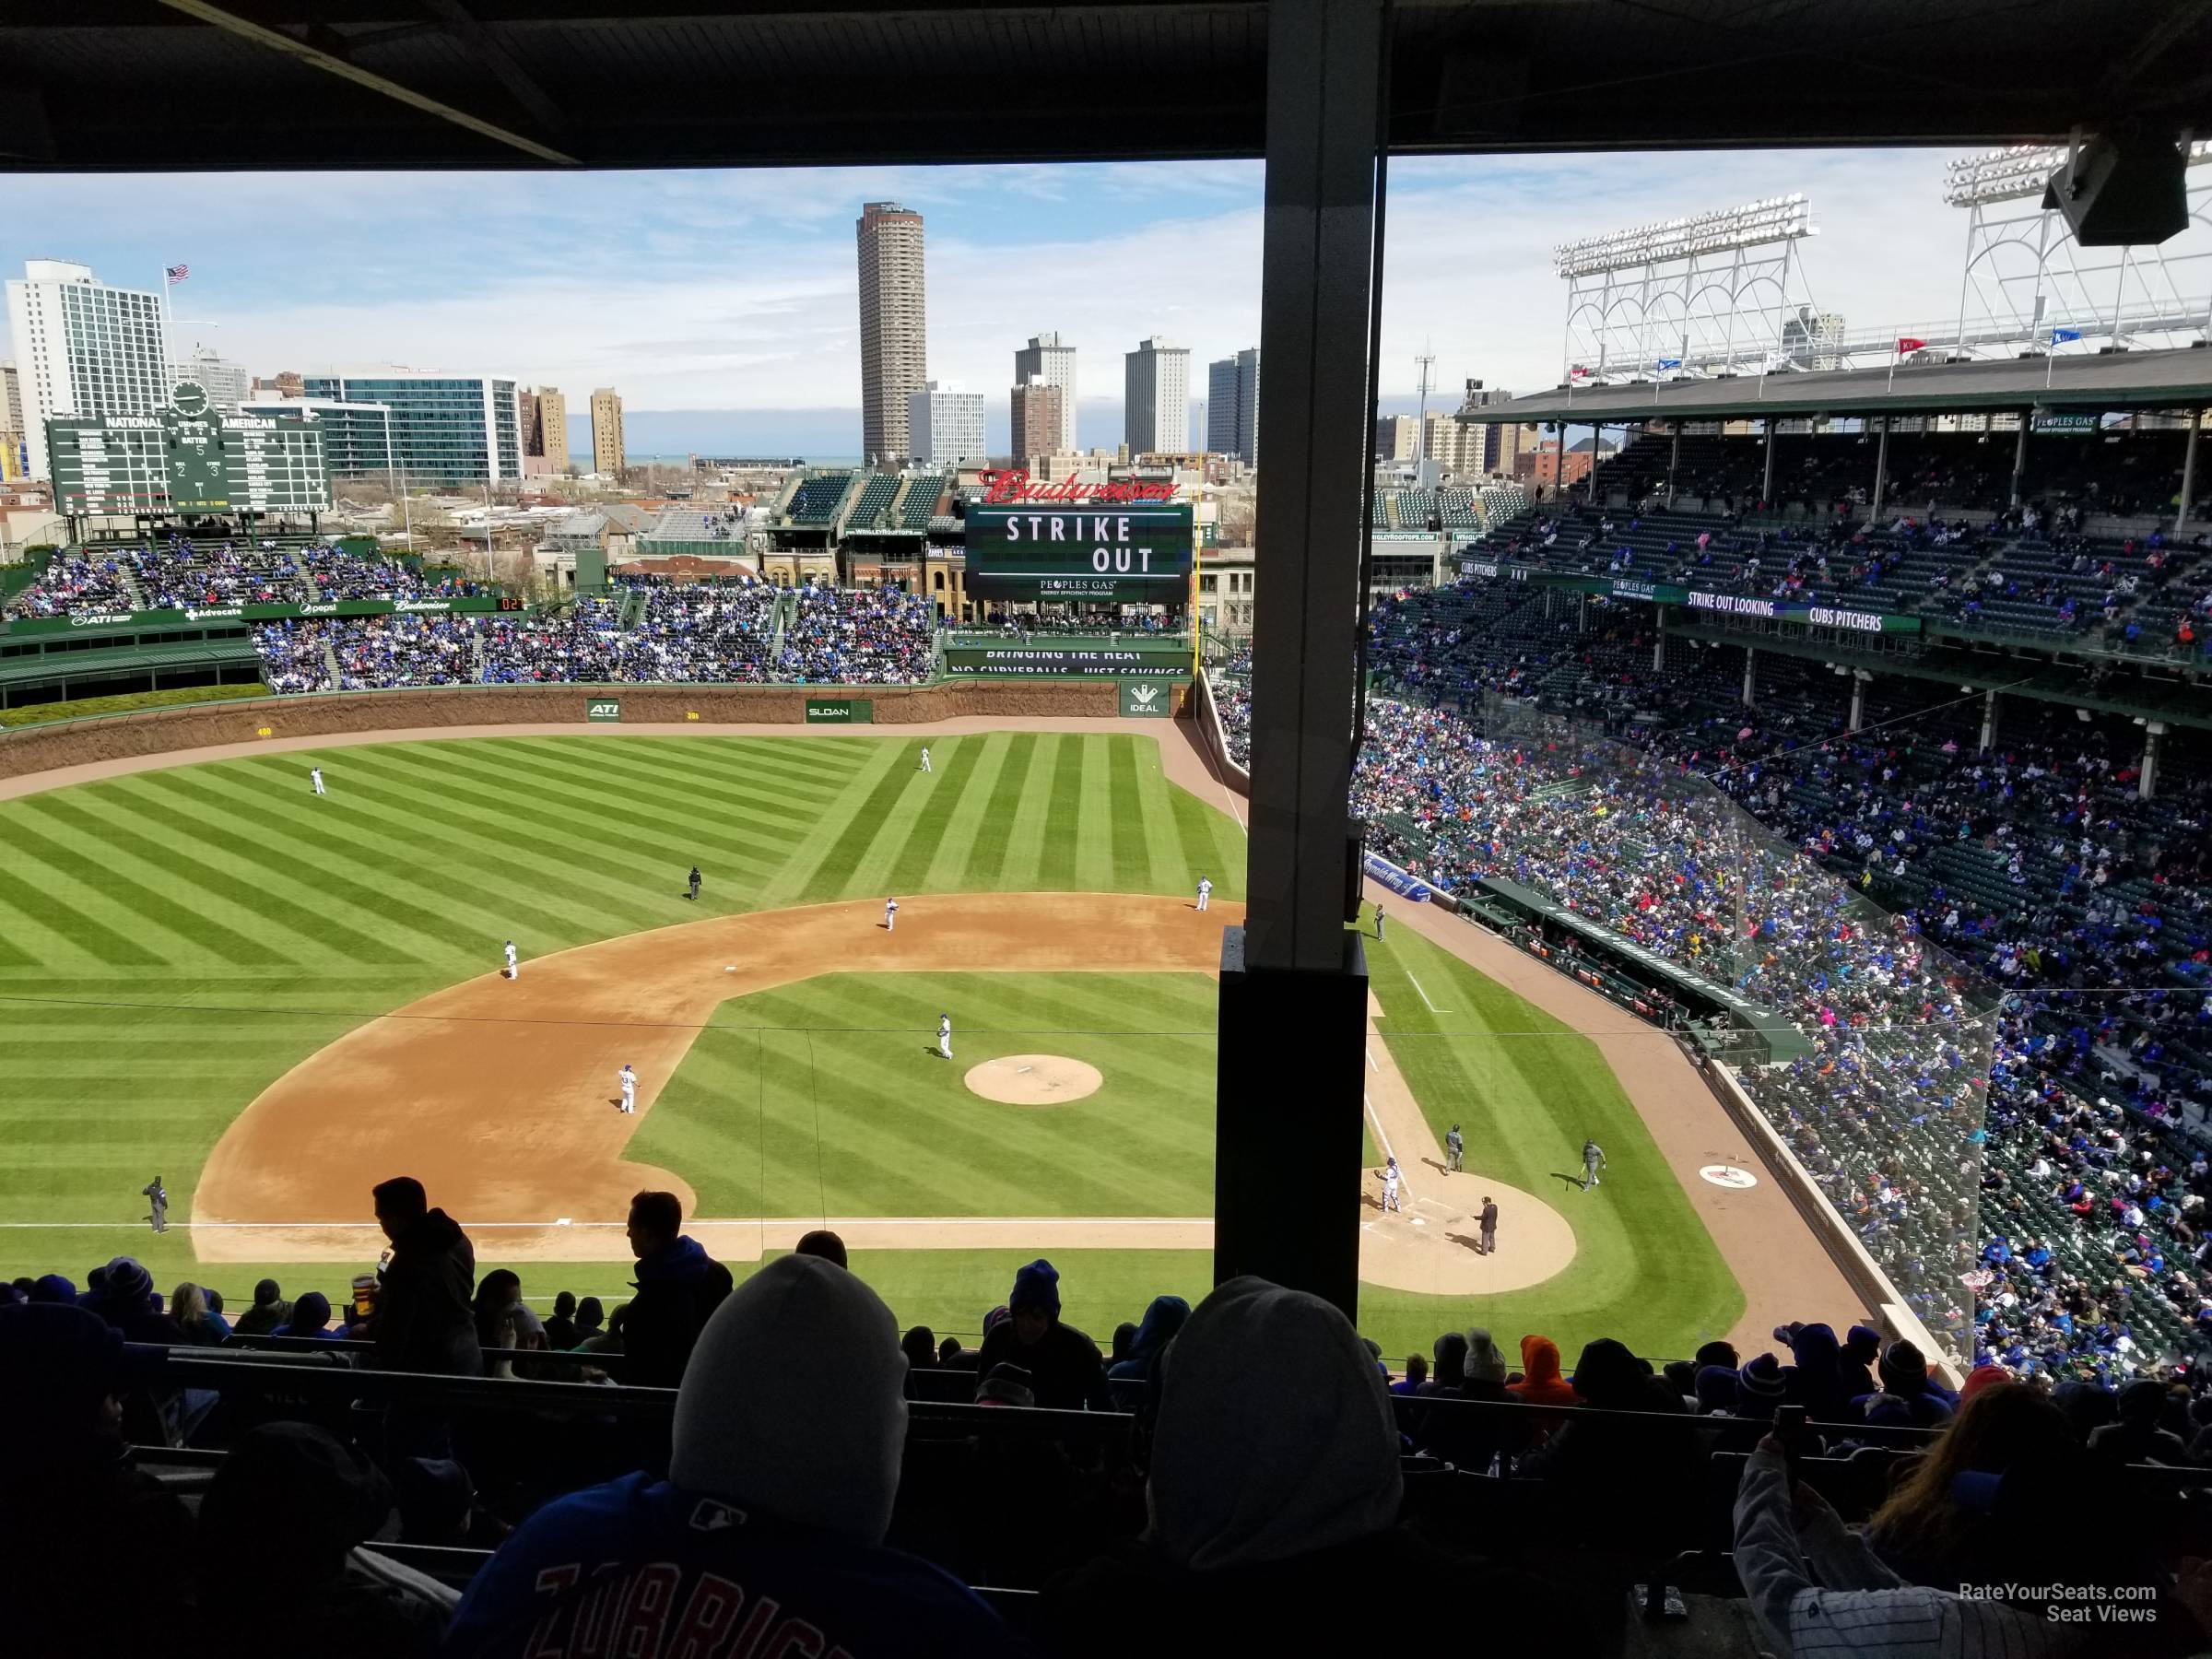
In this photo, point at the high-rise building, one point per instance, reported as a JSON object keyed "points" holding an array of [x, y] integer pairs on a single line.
{"points": [[357, 441], [84, 348], [544, 414], [1233, 406], [607, 432], [894, 334], [1485, 451], [945, 425], [226, 383], [1156, 398], [446, 429], [1813, 339], [284, 385], [11, 397], [1396, 436], [1045, 358], [1039, 408]]}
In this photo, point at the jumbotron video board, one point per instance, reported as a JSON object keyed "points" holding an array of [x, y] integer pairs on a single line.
{"points": [[188, 458], [1117, 552]]}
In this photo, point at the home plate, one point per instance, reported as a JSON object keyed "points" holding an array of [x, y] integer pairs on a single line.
{"points": [[1419, 1222]]}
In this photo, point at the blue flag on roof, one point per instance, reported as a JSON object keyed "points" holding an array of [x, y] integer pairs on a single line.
{"points": [[2059, 335], [1670, 362]]}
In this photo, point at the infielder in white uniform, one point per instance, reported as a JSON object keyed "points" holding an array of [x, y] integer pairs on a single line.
{"points": [[315, 772], [629, 1079], [1205, 892], [945, 1035], [1390, 1187], [515, 969], [925, 756], [890, 916]]}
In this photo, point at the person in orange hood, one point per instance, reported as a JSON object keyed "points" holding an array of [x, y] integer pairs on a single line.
{"points": [[1541, 1383]]}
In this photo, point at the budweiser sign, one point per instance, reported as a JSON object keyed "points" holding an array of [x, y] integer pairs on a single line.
{"points": [[1010, 487]]}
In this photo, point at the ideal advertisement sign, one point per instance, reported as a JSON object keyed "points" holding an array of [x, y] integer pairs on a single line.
{"points": [[1143, 699]]}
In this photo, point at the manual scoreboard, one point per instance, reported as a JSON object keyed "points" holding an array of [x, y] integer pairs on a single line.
{"points": [[189, 458]]}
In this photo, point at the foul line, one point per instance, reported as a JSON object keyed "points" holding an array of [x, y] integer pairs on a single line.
{"points": [[1432, 1008], [564, 1221]]}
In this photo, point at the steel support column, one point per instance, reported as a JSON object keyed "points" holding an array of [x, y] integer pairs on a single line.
{"points": [[2019, 454], [1881, 472], [1765, 490], [1989, 722], [1751, 677], [1288, 1115], [2147, 781], [2180, 517]]}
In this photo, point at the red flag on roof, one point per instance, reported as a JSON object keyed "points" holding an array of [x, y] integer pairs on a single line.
{"points": [[1910, 345]]}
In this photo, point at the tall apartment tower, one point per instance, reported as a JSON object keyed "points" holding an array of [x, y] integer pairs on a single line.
{"points": [[553, 428], [226, 383], [945, 425], [1489, 449], [84, 348], [894, 347], [1046, 358], [1038, 423], [607, 432], [1233, 406], [1155, 384]]}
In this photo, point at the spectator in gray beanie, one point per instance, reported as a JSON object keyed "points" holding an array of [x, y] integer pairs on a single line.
{"points": [[1905, 1374], [1861, 1349], [1274, 1496], [1760, 1387], [782, 1480], [269, 1310]]}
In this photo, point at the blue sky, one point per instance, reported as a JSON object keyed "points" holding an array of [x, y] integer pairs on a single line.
{"points": [[722, 304]]}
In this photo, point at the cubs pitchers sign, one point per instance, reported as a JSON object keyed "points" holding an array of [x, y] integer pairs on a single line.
{"points": [[1125, 553]]}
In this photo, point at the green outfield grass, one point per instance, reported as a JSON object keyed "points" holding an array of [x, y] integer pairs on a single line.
{"points": [[827, 1098], [172, 941]]}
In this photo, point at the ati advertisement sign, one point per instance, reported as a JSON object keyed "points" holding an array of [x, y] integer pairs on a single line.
{"points": [[1146, 699], [1120, 554], [603, 708], [1121, 662], [840, 711], [256, 613]]}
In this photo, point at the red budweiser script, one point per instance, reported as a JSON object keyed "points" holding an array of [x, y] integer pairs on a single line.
{"points": [[1016, 487]]}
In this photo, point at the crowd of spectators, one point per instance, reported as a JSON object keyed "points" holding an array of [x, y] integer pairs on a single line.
{"points": [[697, 632], [878, 636], [371, 652], [180, 572], [2008, 1055], [1269, 1475]]}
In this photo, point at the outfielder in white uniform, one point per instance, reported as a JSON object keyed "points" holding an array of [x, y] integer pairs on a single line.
{"points": [[1594, 1159], [514, 969], [890, 916], [1205, 892], [629, 1079], [1390, 1187], [315, 772], [945, 1035], [925, 756]]}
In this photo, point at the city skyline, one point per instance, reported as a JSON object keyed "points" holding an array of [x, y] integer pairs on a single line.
{"points": [[714, 354]]}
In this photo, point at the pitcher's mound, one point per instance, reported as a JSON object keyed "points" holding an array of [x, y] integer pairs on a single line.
{"points": [[1033, 1079]]}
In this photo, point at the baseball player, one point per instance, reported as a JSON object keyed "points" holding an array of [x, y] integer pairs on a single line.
{"points": [[514, 969], [890, 916], [1390, 1185], [945, 1035], [695, 884], [156, 1196], [1489, 1227], [315, 773], [1378, 924], [1453, 1146], [1594, 1159], [629, 1079], [925, 756], [1205, 892]]}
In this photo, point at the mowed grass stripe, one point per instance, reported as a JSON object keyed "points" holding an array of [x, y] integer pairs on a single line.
{"points": [[1212, 845], [425, 852], [324, 861], [993, 841], [679, 795], [1131, 855], [942, 792], [37, 905], [1064, 817], [842, 862], [806, 876], [259, 893], [112, 877], [955, 866]]}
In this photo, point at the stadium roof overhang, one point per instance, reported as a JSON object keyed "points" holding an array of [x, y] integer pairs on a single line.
{"points": [[182, 85], [2123, 382]]}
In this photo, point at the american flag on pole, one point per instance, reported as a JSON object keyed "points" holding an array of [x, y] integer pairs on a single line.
{"points": [[177, 273]]}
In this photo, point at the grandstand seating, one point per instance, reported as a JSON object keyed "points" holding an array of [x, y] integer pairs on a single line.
{"points": [[874, 500], [924, 492], [817, 499]]}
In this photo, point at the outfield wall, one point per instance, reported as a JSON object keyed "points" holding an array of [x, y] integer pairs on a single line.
{"points": [[166, 731]]}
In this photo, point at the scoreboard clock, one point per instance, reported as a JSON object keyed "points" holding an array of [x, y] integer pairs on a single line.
{"points": [[198, 480]]}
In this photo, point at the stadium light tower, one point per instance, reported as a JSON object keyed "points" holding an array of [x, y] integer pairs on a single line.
{"points": [[1695, 295], [2029, 286]]}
